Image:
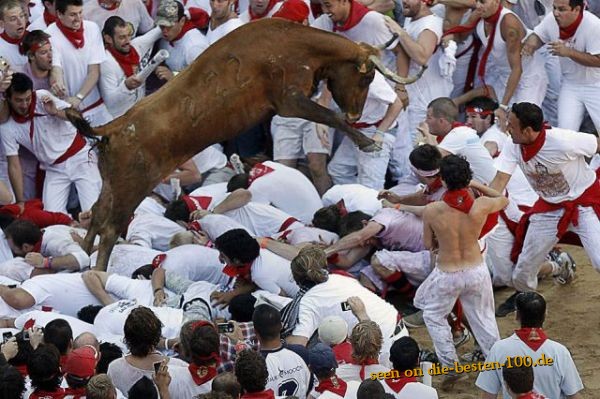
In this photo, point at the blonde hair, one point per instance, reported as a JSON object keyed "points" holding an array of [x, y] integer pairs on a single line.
{"points": [[99, 387], [366, 340], [310, 265], [181, 238]]}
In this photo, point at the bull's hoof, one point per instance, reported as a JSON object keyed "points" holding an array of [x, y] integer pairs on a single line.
{"points": [[372, 147]]}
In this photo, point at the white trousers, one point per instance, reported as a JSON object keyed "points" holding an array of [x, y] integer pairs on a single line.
{"points": [[541, 237], [499, 246], [437, 296], [82, 170], [572, 103]]}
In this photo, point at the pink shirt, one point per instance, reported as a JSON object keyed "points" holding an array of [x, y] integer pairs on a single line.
{"points": [[402, 231]]}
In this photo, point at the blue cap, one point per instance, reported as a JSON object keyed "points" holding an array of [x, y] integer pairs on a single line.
{"points": [[321, 357]]}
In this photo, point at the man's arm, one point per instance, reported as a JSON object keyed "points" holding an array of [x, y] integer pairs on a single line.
{"points": [[96, 282], [419, 51], [296, 340], [513, 33], [187, 173], [531, 45], [580, 57], [93, 74], [15, 175], [16, 298], [500, 181], [355, 239], [282, 249], [391, 115], [235, 200]]}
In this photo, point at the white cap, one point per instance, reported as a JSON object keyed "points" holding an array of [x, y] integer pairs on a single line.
{"points": [[333, 330]]}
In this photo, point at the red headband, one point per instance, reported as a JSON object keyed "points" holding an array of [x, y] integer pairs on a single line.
{"points": [[479, 110]]}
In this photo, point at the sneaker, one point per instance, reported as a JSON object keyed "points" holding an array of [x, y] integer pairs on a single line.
{"points": [[429, 356], [473, 357], [508, 306], [567, 268], [414, 320], [448, 380], [462, 339]]}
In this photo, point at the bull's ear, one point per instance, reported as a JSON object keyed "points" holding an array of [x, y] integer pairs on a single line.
{"points": [[363, 68]]}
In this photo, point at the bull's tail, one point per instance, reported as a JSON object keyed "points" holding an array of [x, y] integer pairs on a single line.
{"points": [[82, 125]]}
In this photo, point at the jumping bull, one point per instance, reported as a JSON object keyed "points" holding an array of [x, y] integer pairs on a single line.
{"points": [[264, 68]]}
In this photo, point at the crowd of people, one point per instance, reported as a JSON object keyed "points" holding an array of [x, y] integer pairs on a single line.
{"points": [[287, 262]]}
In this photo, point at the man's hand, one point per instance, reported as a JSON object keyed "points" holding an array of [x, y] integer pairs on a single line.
{"points": [[74, 101], [6, 80], [559, 49], [85, 219], [160, 297], [35, 259], [199, 214], [221, 299], [381, 270], [402, 95], [323, 135], [388, 195], [164, 73], [36, 337], [77, 238], [162, 379], [10, 348], [200, 238], [49, 106], [133, 82], [236, 335], [358, 308], [428, 138]]}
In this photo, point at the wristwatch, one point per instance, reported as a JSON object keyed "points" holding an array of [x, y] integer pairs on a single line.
{"points": [[80, 96]]}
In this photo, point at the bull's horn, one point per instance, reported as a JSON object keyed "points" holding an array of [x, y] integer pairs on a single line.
{"points": [[388, 43], [394, 77]]}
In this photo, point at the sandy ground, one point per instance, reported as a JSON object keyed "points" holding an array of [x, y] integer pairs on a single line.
{"points": [[573, 319]]}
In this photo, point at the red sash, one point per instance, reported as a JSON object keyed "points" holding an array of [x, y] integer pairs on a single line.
{"points": [[128, 62], [357, 12], [533, 337], [48, 18], [76, 146], [58, 394], [266, 394], [74, 36]]}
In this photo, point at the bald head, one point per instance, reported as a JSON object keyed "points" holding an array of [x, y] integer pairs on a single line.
{"points": [[86, 339]]}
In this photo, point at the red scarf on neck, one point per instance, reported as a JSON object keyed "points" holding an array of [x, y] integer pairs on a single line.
{"points": [[493, 20], [531, 395], [202, 374], [128, 62], [238, 271], [258, 170], [533, 337], [194, 203], [74, 36], [333, 384], [569, 31], [461, 200], [30, 113], [357, 12], [398, 384], [149, 4], [439, 139], [254, 17], [11, 40], [366, 362], [433, 186], [48, 18], [528, 151], [187, 26]]}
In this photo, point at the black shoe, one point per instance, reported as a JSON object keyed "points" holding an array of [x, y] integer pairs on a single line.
{"points": [[508, 306]]}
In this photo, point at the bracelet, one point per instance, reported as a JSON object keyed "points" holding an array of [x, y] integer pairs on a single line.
{"points": [[504, 107], [47, 263], [159, 288], [167, 343]]}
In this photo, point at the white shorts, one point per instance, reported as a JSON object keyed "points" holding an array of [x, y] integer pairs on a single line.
{"points": [[293, 138]]}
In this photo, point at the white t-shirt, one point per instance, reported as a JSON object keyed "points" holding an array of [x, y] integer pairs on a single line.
{"points": [[351, 390], [183, 386], [11, 53], [124, 376], [358, 373], [196, 263], [308, 234], [185, 50], [127, 258], [5, 310], [379, 97], [123, 287], [213, 35], [210, 158], [152, 231], [57, 241], [273, 273], [262, 220], [558, 172], [356, 198], [42, 318], [132, 11], [584, 40], [412, 390], [288, 373], [558, 380], [211, 190], [16, 269], [5, 251]]}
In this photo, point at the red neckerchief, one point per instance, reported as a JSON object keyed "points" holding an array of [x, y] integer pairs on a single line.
{"points": [[74, 36], [533, 337], [254, 17], [461, 200], [196, 203], [29, 324], [266, 394], [398, 384], [238, 271], [30, 112], [341, 205], [433, 186], [357, 12], [76, 393], [531, 395], [343, 352], [9, 39], [439, 139], [128, 62], [569, 31], [58, 394], [187, 26], [528, 151], [149, 5], [109, 8], [22, 369], [259, 170], [158, 260], [48, 18], [364, 363], [493, 20], [202, 374], [333, 384]]}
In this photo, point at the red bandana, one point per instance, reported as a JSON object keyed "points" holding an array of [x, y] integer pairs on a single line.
{"points": [[357, 12], [341, 205], [29, 324], [259, 170], [569, 31], [433, 186], [74, 36], [30, 113], [149, 5], [529, 151], [531, 395], [196, 203], [187, 26], [48, 18], [398, 384], [493, 20], [333, 384], [128, 62], [199, 17], [364, 363], [112, 7], [158, 260], [9, 39], [254, 17], [238, 271], [461, 200], [533, 337], [202, 374], [343, 352], [266, 394]]}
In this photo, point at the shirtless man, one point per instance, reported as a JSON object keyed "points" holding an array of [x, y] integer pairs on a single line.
{"points": [[451, 228]]}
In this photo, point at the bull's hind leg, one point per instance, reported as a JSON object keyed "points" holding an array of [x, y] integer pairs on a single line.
{"points": [[108, 238], [297, 105]]}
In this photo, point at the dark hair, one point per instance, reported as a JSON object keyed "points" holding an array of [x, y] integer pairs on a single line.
{"points": [[328, 218], [404, 354], [23, 353], [352, 222], [529, 115], [108, 353], [444, 107], [177, 210], [34, 37], [226, 383], [425, 157], [144, 388], [532, 309], [58, 332], [576, 3], [12, 383], [88, 313], [5, 220], [111, 23], [142, 331], [43, 368], [76, 382], [20, 84], [518, 379], [238, 246], [199, 342], [144, 271], [23, 231], [238, 181], [370, 389], [267, 322], [484, 104], [61, 5], [251, 371], [241, 307], [455, 172]]}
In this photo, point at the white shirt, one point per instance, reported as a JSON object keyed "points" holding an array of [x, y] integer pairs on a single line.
{"points": [[379, 97], [127, 258], [195, 262], [262, 220], [273, 273], [287, 189], [5, 310], [585, 40], [288, 373], [558, 172], [351, 390], [182, 384], [185, 50], [245, 15], [152, 231], [556, 381], [412, 390], [42, 318], [211, 190], [356, 198], [16, 269], [5, 251], [57, 241], [214, 35], [132, 11], [11, 53], [354, 372], [211, 157], [123, 287], [307, 234], [38, 24]]}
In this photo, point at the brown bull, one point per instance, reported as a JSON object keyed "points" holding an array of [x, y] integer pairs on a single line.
{"points": [[266, 67]]}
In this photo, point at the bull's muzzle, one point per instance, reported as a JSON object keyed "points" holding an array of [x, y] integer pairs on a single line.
{"points": [[352, 118]]}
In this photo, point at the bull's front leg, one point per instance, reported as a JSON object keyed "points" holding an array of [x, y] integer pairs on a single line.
{"points": [[296, 104], [108, 238]]}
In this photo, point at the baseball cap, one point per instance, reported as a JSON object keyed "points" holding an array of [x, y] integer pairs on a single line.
{"points": [[81, 362], [293, 10], [321, 357], [168, 13], [333, 330]]}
